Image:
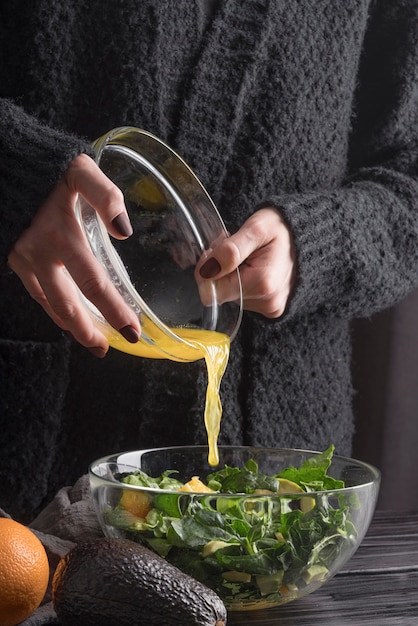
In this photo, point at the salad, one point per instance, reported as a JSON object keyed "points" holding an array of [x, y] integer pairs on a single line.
{"points": [[246, 544]]}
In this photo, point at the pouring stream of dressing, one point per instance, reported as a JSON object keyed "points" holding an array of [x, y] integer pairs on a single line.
{"points": [[210, 345]]}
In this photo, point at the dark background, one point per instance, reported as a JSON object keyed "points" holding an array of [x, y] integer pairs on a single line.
{"points": [[385, 370]]}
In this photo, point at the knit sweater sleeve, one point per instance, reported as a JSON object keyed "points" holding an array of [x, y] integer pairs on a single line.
{"points": [[33, 159], [357, 245]]}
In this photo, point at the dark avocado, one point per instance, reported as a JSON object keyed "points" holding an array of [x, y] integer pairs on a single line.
{"points": [[117, 582]]}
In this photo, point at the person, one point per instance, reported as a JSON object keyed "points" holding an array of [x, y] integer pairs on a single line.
{"points": [[300, 119]]}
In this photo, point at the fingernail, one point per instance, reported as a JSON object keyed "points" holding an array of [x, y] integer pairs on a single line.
{"points": [[97, 351], [210, 269], [129, 333], [123, 225]]}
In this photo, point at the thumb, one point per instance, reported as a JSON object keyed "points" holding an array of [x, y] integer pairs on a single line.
{"points": [[228, 255]]}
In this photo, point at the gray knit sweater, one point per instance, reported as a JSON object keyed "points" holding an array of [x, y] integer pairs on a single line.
{"points": [[311, 105]]}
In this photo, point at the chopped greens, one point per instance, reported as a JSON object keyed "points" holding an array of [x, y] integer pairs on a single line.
{"points": [[248, 543]]}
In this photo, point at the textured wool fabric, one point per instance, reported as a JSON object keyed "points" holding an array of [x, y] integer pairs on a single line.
{"points": [[309, 106]]}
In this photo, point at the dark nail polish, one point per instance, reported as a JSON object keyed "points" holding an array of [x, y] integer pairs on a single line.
{"points": [[129, 333], [123, 225], [100, 353], [210, 269]]}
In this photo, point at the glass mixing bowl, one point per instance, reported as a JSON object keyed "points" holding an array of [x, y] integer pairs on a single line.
{"points": [[174, 222], [256, 549]]}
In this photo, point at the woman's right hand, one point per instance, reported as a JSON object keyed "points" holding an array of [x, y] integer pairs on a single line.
{"points": [[54, 243]]}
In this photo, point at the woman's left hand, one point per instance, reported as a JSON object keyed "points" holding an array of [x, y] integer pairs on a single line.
{"points": [[264, 252]]}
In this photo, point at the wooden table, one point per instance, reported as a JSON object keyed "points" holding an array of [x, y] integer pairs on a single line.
{"points": [[377, 587]]}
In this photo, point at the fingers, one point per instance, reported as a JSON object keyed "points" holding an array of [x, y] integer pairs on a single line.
{"points": [[265, 293], [263, 250], [257, 232], [87, 179], [51, 285], [52, 256], [226, 257], [93, 282], [64, 309], [261, 293]]}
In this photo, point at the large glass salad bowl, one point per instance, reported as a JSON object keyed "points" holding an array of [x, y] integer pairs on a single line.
{"points": [[265, 527]]}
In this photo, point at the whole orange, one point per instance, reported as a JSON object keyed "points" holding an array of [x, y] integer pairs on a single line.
{"points": [[24, 572]]}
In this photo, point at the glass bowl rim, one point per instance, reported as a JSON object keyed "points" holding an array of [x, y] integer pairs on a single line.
{"points": [[374, 472]]}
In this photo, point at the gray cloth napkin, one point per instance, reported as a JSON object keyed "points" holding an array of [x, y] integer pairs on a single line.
{"points": [[69, 519]]}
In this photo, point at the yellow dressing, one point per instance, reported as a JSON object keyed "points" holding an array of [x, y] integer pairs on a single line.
{"points": [[197, 344]]}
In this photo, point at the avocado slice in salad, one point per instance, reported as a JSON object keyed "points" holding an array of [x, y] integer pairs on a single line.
{"points": [[288, 487]]}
